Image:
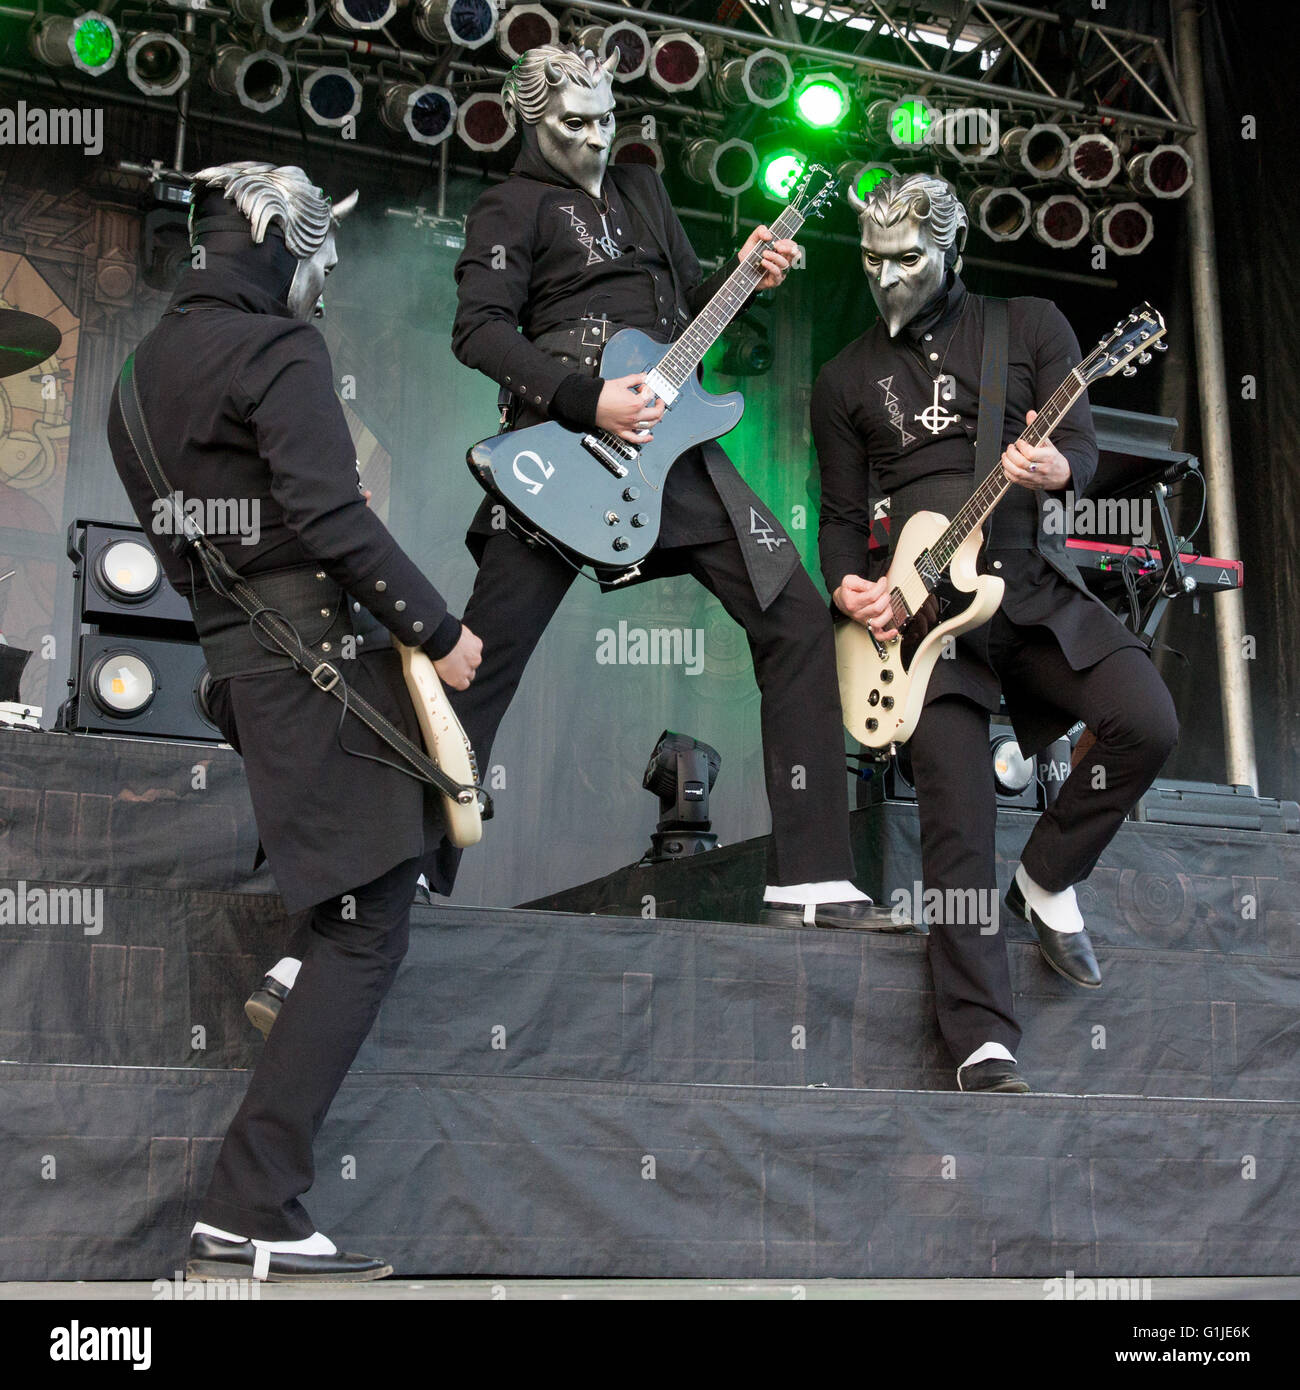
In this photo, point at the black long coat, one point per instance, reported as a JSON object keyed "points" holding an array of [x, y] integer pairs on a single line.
{"points": [[238, 396]]}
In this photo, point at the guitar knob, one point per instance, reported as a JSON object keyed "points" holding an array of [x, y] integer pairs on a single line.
{"points": [[872, 725], [1161, 346], [1144, 358], [886, 676], [1130, 370], [888, 702], [620, 542], [630, 494], [640, 519], [611, 518], [873, 698]]}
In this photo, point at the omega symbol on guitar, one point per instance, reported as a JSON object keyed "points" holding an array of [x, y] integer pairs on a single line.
{"points": [[534, 485]]}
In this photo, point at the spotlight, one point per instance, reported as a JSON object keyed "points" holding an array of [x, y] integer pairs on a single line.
{"points": [[362, 14], [331, 96], [780, 172], [89, 42], [1165, 172], [1041, 150], [1061, 221], [731, 166], [467, 23], [427, 114], [969, 134], [1094, 160], [862, 178], [122, 684], [822, 100], [525, 27], [633, 148], [260, 79], [748, 349], [1124, 228], [1012, 771], [906, 122], [677, 62], [633, 44], [764, 78], [681, 773], [157, 63], [483, 122], [1003, 214], [285, 20]]}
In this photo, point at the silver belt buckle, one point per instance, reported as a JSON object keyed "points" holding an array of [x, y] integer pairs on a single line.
{"points": [[327, 681], [595, 332]]}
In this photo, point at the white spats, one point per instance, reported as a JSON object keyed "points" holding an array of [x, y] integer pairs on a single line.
{"points": [[1060, 911], [837, 890], [986, 1053], [315, 1244], [285, 970]]}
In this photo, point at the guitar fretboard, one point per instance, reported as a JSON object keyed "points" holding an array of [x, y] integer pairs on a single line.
{"points": [[680, 362]]}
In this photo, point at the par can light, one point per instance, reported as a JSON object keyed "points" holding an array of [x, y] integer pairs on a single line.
{"points": [[483, 122], [633, 148], [467, 23], [677, 62], [523, 27], [1040, 150], [259, 79], [1094, 160], [1165, 172], [362, 14], [285, 20], [1124, 228], [1060, 221], [1002, 214], [331, 96], [157, 63], [426, 113], [763, 78]]}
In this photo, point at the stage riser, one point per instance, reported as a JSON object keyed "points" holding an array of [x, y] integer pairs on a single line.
{"points": [[502, 993], [501, 1178]]}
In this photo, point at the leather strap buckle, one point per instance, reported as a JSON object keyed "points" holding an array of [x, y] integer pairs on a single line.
{"points": [[329, 680]]}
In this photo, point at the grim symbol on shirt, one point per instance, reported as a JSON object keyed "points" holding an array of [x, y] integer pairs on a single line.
{"points": [[934, 417], [585, 238], [762, 530], [894, 409]]}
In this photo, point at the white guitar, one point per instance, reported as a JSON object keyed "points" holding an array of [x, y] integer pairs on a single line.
{"points": [[883, 684], [445, 743]]}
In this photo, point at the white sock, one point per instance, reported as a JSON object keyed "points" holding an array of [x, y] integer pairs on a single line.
{"points": [[314, 1244], [1059, 910], [983, 1054], [285, 970], [833, 890]]}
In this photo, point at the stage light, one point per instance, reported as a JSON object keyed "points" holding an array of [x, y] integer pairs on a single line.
{"points": [[780, 172], [285, 20], [426, 113], [1124, 228], [1002, 214], [633, 44], [1093, 161], [128, 571], [1012, 771], [259, 79], [969, 134], [822, 100], [483, 122], [1061, 221], [862, 178], [764, 78], [729, 165], [633, 148], [524, 27], [747, 349], [905, 123], [681, 773], [122, 684], [157, 63], [362, 14], [1165, 172], [89, 42], [331, 96], [467, 23], [1040, 150], [677, 62]]}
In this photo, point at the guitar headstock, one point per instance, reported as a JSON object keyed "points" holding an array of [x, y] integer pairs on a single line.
{"points": [[814, 205], [1134, 337]]}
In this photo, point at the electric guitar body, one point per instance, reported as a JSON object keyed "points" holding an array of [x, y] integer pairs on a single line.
{"points": [[883, 684], [593, 493]]}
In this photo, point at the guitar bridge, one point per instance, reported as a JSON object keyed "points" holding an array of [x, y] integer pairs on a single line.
{"points": [[611, 452]]}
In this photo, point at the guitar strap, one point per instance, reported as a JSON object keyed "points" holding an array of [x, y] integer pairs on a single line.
{"points": [[266, 622], [993, 395]]}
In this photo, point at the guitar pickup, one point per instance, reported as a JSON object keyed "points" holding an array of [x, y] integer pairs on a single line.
{"points": [[607, 452]]}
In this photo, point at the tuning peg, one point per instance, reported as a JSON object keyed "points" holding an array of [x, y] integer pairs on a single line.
{"points": [[1144, 358], [1130, 370], [1161, 346]]}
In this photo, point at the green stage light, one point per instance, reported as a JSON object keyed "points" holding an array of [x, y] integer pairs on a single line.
{"points": [[781, 172], [822, 101], [909, 122], [94, 43], [870, 176]]}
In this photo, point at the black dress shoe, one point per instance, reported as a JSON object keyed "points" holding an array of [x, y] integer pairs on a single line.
{"points": [[263, 1006], [1068, 953], [996, 1074], [859, 916], [213, 1258]]}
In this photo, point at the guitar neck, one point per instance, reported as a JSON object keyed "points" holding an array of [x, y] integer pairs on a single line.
{"points": [[996, 485], [684, 357]]}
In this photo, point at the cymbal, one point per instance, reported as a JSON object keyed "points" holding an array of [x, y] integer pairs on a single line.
{"points": [[26, 340]]}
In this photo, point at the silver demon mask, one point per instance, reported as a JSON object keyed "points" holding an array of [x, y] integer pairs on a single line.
{"points": [[912, 233], [266, 194], [564, 98]]}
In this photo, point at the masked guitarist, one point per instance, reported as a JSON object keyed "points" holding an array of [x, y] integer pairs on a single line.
{"points": [[895, 414], [557, 258]]}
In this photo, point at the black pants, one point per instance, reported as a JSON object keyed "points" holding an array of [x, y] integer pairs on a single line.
{"points": [[517, 592], [350, 949], [1126, 705]]}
